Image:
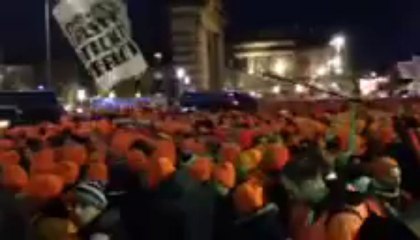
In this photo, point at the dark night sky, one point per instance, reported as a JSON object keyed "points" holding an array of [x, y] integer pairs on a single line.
{"points": [[381, 31]]}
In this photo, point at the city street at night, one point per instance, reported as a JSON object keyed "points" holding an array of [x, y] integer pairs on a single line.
{"points": [[209, 120]]}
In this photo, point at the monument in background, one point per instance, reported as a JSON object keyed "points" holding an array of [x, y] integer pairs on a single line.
{"points": [[198, 41]]}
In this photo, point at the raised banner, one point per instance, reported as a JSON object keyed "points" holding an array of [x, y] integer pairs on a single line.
{"points": [[99, 31]]}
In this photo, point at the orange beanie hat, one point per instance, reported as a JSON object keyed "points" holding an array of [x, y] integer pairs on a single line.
{"points": [[121, 142], [104, 127], [159, 170], [276, 157], [75, 153], [98, 172], [166, 148], [224, 173], [136, 160], [14, 177], [230, 152], [200, 169], [98, 156], [387, 135], [246, 138], [69, 171], [7, 144], [9, 157], [248, 197], [44, 186], [43, 162]]}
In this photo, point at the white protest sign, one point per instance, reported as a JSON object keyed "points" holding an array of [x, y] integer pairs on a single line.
{"points": [[99, 32]]}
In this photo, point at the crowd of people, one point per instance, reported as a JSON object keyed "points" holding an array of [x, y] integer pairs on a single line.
{"points": [[152, 174]]}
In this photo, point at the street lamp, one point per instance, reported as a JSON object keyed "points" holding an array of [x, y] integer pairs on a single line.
{"points": [[81, 95], [158, 55], [300, 88], [276, 89], [180, 73], [321, 71], [187, 80], [338, 42], [112, 95], [280, 67]]}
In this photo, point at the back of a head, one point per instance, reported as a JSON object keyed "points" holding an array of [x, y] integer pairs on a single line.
{"points": [[302, 168]]}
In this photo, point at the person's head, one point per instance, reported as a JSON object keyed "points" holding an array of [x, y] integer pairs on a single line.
{"points": [[303, 179], [143, 146], [90, 202], [224, 177], [13, 177], [386, 176]]}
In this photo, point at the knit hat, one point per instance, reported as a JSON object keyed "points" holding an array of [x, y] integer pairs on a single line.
{"points": [[43, 162], [248, 197], [104, 127], [136, 160], [224, 174], [7, 144], [246, 138], [91, 193], [9, 157], [276, 157], [165, 149], [230, 152], [246, 163], [200, 169], [121, 142], [44, 186], [98, 172], [69, 171], [75, 153], [158, 170], [14, 177]]}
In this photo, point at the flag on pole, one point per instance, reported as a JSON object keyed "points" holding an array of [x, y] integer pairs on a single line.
{"points": [[99, 31]]}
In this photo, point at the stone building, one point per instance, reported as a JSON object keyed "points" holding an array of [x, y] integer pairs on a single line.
{"points": [[198, 41]]}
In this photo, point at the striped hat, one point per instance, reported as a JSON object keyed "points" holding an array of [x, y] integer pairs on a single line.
{"points": [[91, 193]]}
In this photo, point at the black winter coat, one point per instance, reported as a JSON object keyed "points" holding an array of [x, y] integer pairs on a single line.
{"points": [[154, 214]]}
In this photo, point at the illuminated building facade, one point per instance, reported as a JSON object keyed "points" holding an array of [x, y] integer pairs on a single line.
{"points": [[299, 59], [198, 41]]}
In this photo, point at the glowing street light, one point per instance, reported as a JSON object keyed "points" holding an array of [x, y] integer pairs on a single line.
{"points": [[112, 94], [334, 86], [187, 80], [81, 95], [373, 75], [338, 42], [138, 95], [255, 94], [158, 55], [276, 89], [79, 110], [321, 71], [181, 73], [280, 67], [300, 88]]}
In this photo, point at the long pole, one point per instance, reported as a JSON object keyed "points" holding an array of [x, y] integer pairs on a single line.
{"points": [[47, 43], [291, 81]]}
